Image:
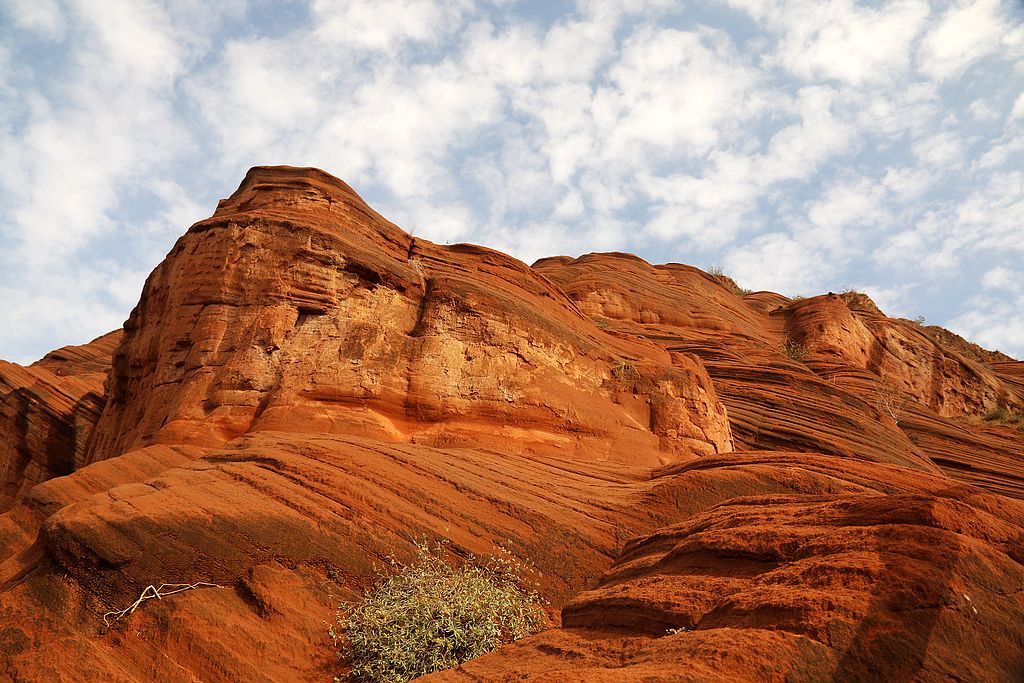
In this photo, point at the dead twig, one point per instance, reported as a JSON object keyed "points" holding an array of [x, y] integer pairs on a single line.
{"points": [[890, 400], [160, 593]]}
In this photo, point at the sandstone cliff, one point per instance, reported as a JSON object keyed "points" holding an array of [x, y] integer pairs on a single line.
{"points": [[713, 486]]}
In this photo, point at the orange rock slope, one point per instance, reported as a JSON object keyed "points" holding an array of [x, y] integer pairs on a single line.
{"points": [[711, 486]]}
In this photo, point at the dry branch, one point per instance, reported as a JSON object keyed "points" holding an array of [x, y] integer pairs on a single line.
{"points": [[160, 593], [891, 401]]}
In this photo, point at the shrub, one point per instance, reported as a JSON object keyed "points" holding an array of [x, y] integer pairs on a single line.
{"points": [[603, 323], [623, 370], [794, 349], [715, 271], [998, 415], [429, 616]]}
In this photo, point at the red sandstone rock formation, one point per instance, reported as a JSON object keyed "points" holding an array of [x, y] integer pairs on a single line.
{"points": [[304, 389], [297, 308], [47, 414]]}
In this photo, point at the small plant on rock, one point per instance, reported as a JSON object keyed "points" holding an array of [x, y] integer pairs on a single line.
{"points": [[794, 349], [428, 616], [623, 370], [730, 284]]}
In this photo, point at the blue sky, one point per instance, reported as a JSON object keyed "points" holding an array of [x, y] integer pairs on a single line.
{"points": [[802, 145]]}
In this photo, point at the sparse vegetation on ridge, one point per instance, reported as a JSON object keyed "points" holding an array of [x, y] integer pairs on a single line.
{"points": [[719, 274], [1003, 416], [428, 616]]}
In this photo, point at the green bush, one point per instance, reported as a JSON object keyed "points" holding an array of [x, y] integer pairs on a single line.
{"points": [[428, 616], [998, 415]]}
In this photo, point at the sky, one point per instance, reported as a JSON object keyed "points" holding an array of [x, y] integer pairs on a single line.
{"points": [[803, 146]]}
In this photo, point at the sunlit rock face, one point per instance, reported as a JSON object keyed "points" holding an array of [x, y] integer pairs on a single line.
{"points": [[296, 307]]}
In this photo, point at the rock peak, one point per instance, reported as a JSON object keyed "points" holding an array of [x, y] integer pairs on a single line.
{"points": [[264, 186]]}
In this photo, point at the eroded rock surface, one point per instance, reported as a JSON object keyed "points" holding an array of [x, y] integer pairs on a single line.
{"points": [[711, 484]]}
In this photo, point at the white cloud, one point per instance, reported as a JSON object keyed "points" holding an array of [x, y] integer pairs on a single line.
{"points": [[941, 150], [258, 93], [843, 40], [1002, 152], [990, 218], [106, 123], [39, 16], [709, 210], [130, 41], [571, 206], [965, 33], [845, 216], [672, 92], [546, 238], [982, 110], [442, 223], [893, 301], [777, 262], [60, 312], [1018, 107], [385, 25], [995, 323], [908, 182], [1002, 277], [795, 152], [892, 113], [902, 249]]}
